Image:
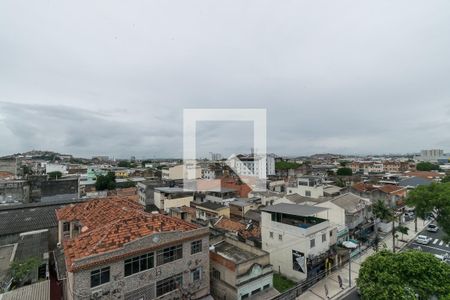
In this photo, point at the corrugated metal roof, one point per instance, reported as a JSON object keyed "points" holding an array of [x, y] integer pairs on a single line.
{"points": [[36, 291]]}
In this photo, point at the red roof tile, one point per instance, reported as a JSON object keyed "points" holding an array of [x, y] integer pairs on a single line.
{"points": [[110, 223]]}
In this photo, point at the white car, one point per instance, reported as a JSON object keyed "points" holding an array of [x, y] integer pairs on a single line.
{"points": [[423, 239], [432, 228], [443, 258]]}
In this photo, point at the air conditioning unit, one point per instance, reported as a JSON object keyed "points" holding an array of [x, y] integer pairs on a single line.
{"points": [[97, 294]]}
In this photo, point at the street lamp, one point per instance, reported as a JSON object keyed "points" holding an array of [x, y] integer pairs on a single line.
{"points": [[350, 246]]}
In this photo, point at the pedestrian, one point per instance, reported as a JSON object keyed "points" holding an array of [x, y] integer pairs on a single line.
{"points": [[341, 284], [326, 291]]}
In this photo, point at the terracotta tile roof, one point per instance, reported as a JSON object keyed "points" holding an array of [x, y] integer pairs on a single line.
{"points": [[389, 188], [363, 187], [238, 228], [110, 223], [424, 174], [4, 174]]}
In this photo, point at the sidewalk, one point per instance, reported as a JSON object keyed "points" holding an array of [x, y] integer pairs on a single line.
{"points": [[331, 283]]}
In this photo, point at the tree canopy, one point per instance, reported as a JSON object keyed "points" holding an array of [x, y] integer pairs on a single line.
{"points": [[106, 182], [386, 275], [344, 172], [427, 166], [285, 165], [21, 270], [446, 179], [432, 199]]}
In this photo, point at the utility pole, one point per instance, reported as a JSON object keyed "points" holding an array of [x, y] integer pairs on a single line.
{"points": [[349, 267]]}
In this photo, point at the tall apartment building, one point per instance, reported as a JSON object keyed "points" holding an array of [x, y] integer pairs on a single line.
{"points": [[251, 165], [112, 249]]}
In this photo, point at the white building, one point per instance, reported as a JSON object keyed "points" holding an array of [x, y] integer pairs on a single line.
{"points": [[181, 171], [307, 186], [251, 165], [297, 239], [50, 167], [431, 155], [169, 197]]}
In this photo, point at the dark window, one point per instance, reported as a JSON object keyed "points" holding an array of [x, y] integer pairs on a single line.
{"points": [[308, 193], [66, 226], [312, 243], [331, 233], [196, 247], [100, 276], [216, 274], [271, 234], [324, 238], [255, 291], [139, 263], [244, 296], [169, 254], [266, 286], [280, 237], [196, 274], [168, 285]]}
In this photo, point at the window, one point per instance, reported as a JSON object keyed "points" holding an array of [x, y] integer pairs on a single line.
{"points": [[244, 296], [169, 254], [196, 247], [312, 243], [168, 285], [271, 234], [324, 238], [138, 264], [331, 233], [196, 274], [66, 226], [308, 193], [280, 237], [255, 291], [266, 286], [216, 274], [100, 276]]}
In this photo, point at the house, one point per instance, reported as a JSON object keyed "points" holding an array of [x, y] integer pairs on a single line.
{"points": [[240, 271], [249, 232], [348, 210], [308, 186], [185, 213], [210, 210], [240, 206], [181, 171], [168, 197], [252, 165], [297, 239], [111, 248], [392, 195]]}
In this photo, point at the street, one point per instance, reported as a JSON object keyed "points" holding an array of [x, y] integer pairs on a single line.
{"points": [[436, 246], [353, 295]]}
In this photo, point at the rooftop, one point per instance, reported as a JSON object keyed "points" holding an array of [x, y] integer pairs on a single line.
{"points": [[233, 253], [210, 205], [351, 202], [172, 190], [108, 224], [295, 209]]}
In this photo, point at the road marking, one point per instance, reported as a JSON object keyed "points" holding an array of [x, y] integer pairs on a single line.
{"points": [[441, 243], [440, 249], [435, 241]]}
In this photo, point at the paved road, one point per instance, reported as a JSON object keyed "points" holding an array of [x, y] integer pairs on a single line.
{"points": [[436, 246], [351, 296]]}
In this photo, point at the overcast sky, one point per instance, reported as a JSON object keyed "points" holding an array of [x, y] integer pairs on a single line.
{"points": [[113, 77]]}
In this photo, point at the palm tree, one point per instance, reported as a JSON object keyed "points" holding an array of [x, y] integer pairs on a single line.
{"points": [[383, 212]]}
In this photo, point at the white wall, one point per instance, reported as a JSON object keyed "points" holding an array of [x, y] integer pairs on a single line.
{"points": [[293, 238]]}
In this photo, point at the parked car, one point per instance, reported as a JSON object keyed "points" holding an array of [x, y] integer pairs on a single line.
{"points": [[432, 228], [423, 239], [409, 214], [443, 258]]}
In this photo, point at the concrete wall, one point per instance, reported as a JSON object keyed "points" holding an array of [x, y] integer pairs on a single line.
{"points": [[14, 191], [292, 238]]}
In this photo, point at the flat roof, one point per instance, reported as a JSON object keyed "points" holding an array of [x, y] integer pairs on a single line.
{"points": [[233, 253], [172, 190], [295, 209], [210, 205]]}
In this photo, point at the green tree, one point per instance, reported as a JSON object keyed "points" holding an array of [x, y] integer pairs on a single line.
{"points": [[22, 270], [381, 211], [285, 165], [434, 200], [54, 175], [124, 164], [344, 172], [427, 166], [446, 179], [106, 182], [386, 275]]}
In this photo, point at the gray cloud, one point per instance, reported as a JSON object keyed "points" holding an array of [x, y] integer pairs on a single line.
{"points": [[113, 77]]}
